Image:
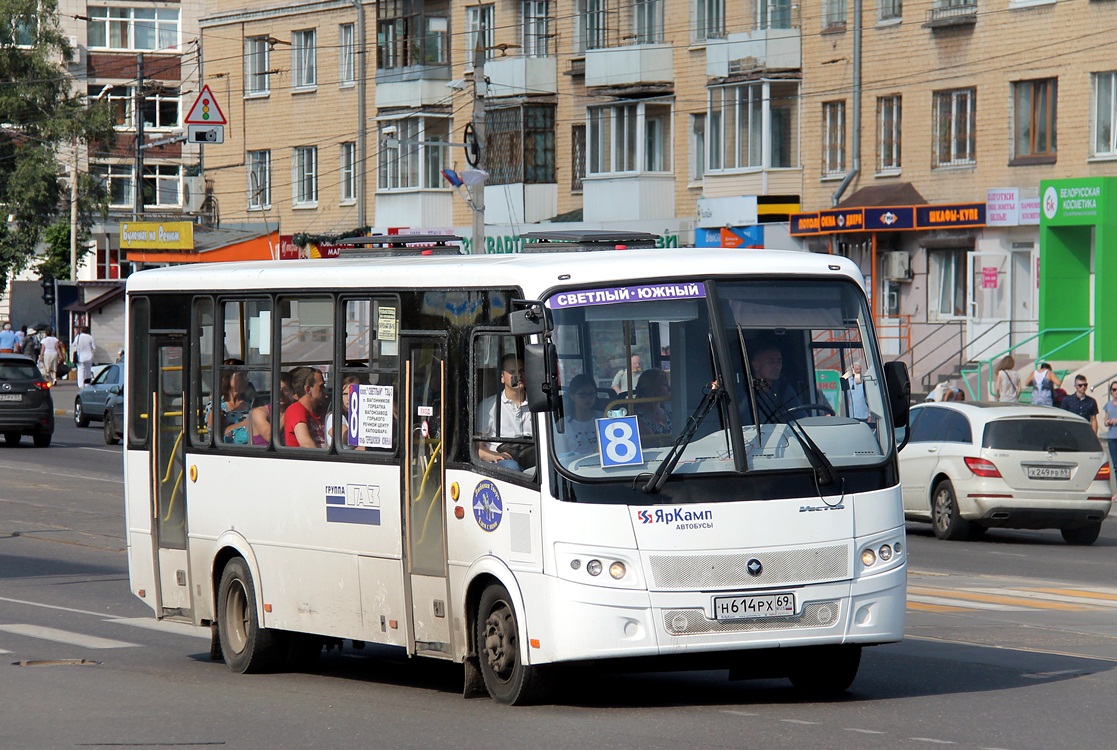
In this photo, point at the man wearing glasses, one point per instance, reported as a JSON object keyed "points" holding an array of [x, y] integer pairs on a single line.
{"points": [[1081, 403]]}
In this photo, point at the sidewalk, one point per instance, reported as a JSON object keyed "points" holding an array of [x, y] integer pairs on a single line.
{"points": [[64, 392]]}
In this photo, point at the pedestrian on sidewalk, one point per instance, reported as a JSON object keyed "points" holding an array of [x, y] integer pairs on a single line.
{"points": [[81, 349], [1006, 383], [1081, 403], [1110, 408], [8, 339], [54, 351]]}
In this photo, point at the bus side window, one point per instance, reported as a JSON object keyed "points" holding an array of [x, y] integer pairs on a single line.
{"points": [[502, 425], [370, 369], [306, 335], [201, 385]]}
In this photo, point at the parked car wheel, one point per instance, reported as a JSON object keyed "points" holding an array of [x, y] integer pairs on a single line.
{"points": [[80, 418], [110, 430], [945, 519]]}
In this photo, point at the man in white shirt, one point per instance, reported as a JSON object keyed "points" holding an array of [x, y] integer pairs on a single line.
{"points": [[503, 416], [82, 348]]}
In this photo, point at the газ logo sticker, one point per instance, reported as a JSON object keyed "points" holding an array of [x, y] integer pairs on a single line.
{"points": [[487, 508], [683, 519]]}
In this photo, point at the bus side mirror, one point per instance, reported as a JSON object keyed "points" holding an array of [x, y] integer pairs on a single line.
{"points": [[531, 320], [898, 383], [541, 378]]}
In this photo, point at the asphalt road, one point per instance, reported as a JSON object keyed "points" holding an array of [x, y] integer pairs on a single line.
{"points": [[1012, 644]]}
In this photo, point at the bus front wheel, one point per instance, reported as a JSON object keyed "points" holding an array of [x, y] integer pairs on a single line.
{"points": [[825, 671], [246, 646], [506, 677]]}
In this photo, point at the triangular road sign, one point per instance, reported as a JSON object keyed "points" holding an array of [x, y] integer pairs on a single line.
{"points": [[205, 110]]}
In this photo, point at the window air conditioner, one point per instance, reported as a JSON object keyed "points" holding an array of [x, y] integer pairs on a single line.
{"points": [[897, 266]]}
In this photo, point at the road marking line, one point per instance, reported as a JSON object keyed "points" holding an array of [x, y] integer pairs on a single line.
{"points": [[922, 606], [974, 596], [740, 713], [967, 605], [932, 740], [798, 721], [64, 636], [53, 606], [1078, 593], [862, 731]]}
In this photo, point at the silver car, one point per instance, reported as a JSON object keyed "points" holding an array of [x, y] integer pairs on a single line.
{"points": [[970, 466]]}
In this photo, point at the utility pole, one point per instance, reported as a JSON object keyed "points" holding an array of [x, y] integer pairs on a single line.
{"points": [[480, 86], [74, 213], [138, 113]]}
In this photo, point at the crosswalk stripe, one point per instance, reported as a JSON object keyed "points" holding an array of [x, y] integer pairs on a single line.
{"points": [[921, 606], [1079, 594], [963, 605], [978, 597], [63, 636]]}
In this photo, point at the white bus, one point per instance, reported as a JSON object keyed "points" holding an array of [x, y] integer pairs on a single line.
{"points": [[520, 461]]}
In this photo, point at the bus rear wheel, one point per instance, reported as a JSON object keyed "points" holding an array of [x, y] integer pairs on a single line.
{"points": [[506, 677], [246, 646]]}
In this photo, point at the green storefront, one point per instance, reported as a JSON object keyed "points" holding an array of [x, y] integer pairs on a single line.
{"points": [[1077, 238]]}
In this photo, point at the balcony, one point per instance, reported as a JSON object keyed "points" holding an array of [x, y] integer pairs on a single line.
{"points": [[413, 86], [628, 197], [520, 75], [632, 65], [761, 49], [952, 15]]}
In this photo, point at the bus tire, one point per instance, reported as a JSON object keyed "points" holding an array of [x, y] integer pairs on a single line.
{"points": [[826, 671], [246, 646], [507, 679]]}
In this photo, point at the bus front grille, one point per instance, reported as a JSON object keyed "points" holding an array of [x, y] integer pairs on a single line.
{"points": [[779, 568], [695, 622]]}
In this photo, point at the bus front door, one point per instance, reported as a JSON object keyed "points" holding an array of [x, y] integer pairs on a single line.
{"points": [[424, 510], [168, 483]]}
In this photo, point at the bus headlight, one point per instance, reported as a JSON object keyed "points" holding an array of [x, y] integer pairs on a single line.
{"points": [[593, 567], [868, 557], [617, 570], [885, 553]]}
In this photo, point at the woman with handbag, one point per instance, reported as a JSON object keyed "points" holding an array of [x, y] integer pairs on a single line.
{"points": [[1006, 383]]}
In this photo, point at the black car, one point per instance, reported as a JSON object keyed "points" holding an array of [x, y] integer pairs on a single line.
{"points": [[26, 405], [95, 401]]}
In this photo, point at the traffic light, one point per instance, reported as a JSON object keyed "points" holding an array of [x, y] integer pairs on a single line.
{"points": [[48, 291]]}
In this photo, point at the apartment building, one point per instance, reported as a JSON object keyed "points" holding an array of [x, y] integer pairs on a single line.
{"points": [[960, 108], [665, 115]]}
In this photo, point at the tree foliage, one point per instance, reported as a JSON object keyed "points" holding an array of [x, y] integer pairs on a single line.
{"points": [[42, 117]]}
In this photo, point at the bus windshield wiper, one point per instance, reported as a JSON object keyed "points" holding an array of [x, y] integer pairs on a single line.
{"points": [[712, 395], [823, 469]]}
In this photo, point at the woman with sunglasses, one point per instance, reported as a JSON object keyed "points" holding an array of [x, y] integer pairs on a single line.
{"points": [[579, 434]]}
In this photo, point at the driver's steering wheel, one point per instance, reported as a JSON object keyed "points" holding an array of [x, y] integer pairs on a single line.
{"points": [[824, 408]]}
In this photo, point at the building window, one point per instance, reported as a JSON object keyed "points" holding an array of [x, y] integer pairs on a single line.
{"points": [[1034, 118], [593, 25], [629, 138], [479, 30], [648, 21], [577, 157], [346, 55], [833, 14], [536, 40], [257, 62], [697, 147], [259, 179], [948, 279], [1105, 113], [890, 9], [520, 145], [120, 99], [776, 14], [133, 28], [160, 108], [888, 133], [108, 263], [415, 161], [348, 172], [709, 20], [405, 36], [833, 138], [305, 177], [304, 56], [162, 185], [954, 127], [117, 180], [735, 126]]}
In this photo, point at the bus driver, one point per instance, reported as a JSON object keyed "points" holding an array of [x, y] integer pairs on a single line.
{"points": [[505, 415]]}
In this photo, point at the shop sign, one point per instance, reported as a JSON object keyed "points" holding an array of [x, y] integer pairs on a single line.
{"points": [[731, 211], [804, 224], [889, 218], [156, 235], [1002, 207], [950, 215], [288, 250], [1071, 202], [842, 220]]}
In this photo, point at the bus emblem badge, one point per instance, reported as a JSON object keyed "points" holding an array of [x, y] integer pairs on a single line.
{"points": [[487, 508], [754, 567]]}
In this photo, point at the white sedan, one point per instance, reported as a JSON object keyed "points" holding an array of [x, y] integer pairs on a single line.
{"points": [[971, 466]]}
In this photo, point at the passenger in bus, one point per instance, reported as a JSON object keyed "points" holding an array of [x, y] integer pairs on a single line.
{"points": [[348, 380], [260, 418], [653, 403], [621, 381], [579, 434], [774, 395], [234, 408], [505, 415], [302, 421]]}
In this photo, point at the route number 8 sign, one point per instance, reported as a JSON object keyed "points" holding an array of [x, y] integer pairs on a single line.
{"points": [[619, 439]]}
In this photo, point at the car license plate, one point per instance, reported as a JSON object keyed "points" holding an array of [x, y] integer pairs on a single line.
{"points": [[1048, 472], [11, 396], [743, 607]]}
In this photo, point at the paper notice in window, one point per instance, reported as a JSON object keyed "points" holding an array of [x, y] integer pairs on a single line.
{"points": [[370, 416], [386, 326]]}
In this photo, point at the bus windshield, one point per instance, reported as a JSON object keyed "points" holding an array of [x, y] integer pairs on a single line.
{"points": [[800, 379]]}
